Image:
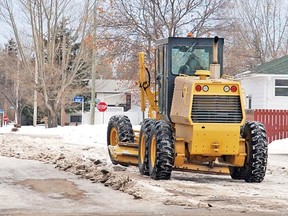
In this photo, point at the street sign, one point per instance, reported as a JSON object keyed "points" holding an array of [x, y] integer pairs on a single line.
{"points": [[102, 106], [6, 119], [78, 99]]}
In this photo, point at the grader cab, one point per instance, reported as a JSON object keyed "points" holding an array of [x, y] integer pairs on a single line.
{"points": [[196, 120]]}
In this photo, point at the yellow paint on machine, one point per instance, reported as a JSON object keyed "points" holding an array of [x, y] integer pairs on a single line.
{"points": [[125, 154], [203, 168], [184, 91], [214, 139], [145, 91], [198, 143]]}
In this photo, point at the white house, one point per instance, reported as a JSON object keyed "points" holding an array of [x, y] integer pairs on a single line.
{"points": [[121, 96], [267, 86], [116, 92]]}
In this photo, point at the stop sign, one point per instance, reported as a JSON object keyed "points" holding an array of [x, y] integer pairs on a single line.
{"points": [[102, 106], [5, 118]]}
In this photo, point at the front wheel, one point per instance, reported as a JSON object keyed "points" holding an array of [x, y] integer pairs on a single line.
{"points": [[119, 130], [161, 151]]}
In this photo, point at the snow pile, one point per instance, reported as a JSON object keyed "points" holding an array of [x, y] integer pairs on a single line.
{"points": [[92, 137], [95, 135], [80, 150], [82, 135], [278, 147]]}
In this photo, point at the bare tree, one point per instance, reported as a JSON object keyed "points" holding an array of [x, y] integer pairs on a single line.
{"points": [[58, 50], [258, 33], [16, 94], [135, 25], [155, 19]]}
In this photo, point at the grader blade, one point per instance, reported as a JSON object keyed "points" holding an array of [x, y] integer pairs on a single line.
{"points": [[193, 167], [125, 153]]}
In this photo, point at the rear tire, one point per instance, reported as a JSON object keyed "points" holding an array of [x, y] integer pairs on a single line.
{"points": [[119, 130], [161, 151], [255, 165], [144, 138]]}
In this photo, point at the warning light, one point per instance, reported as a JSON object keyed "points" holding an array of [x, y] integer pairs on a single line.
{"points": [[233, 88], [198, 88]]}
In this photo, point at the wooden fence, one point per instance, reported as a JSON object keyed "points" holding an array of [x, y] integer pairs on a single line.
{"points": [[275, 121]]}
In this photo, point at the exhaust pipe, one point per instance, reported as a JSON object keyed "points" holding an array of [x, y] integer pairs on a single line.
{"points": [[215, 67], [215, 50]]}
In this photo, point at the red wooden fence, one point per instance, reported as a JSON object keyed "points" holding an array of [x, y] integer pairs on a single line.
{"points": [[275, 121]]}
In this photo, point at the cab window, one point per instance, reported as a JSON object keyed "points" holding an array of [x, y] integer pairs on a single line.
{"points": [[188, 59]]}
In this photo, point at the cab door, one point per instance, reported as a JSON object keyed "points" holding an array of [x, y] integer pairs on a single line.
{"points": [[162, 78]]}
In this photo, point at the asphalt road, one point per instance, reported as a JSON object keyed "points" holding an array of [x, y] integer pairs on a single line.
{"points": [[33, 188]]}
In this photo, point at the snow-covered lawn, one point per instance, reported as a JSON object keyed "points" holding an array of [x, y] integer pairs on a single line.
{"points": [[88, 135], [278, 147], [82, 135]]}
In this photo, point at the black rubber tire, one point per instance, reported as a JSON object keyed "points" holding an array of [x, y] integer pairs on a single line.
{"points": [[163, 135], [145, 133], [255, 166], [124, 130]]}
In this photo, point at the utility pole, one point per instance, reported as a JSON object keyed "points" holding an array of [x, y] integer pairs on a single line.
{"points": [[64, 54], [93, 72], [17, 86], [35, 94]]}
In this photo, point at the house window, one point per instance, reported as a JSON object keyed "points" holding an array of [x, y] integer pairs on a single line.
{"points": [[128, 101], [75, 118], [281, 87]]}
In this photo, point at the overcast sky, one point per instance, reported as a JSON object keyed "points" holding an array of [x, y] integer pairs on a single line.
{"points": [[4, 34]]}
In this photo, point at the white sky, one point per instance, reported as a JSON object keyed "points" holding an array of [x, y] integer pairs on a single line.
{"points": [[4, 34]]}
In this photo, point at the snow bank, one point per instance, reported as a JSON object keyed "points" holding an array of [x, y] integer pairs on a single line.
{"points": [[278, 147], [89, 135], [83, 134], [86, 135]]}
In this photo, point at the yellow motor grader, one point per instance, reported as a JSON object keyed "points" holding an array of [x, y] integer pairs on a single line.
{"points": [[196, 120]]}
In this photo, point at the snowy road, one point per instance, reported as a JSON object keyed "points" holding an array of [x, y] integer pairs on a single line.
{"points": [[33, 188], [83, 152]]}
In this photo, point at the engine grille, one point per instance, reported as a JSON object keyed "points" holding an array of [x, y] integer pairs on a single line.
{"points": [[216, 109]]}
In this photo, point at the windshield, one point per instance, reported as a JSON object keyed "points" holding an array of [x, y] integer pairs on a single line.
{"points": [[188, 59]]}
